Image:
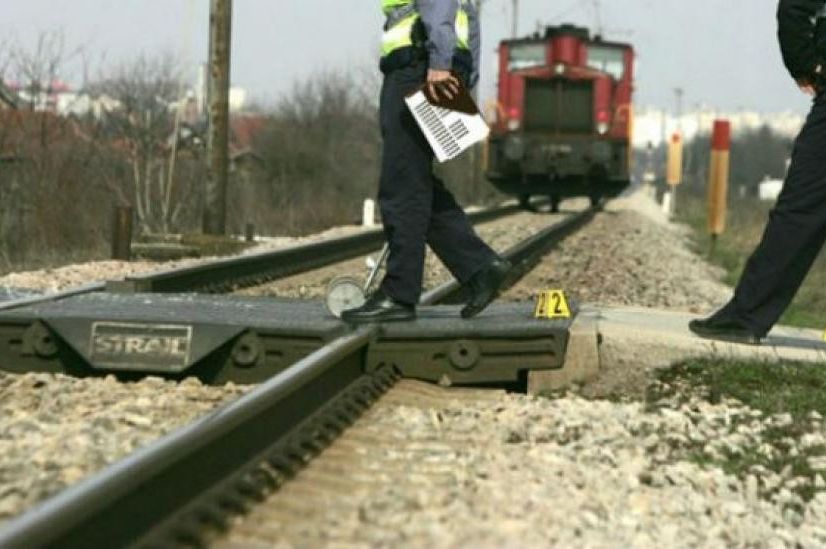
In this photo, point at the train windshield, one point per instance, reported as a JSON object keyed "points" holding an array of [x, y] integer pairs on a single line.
{"points": [[527, 56], [608, 60]]}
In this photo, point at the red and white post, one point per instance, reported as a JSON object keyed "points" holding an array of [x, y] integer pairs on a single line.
{"points": [[718, 177]]}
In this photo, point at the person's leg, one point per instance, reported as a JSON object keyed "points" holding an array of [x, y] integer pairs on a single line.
{"points": [[452, 237], [406, 188], [793, 237]]}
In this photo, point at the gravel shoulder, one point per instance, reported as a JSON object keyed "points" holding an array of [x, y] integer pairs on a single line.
{"points": [[56, 430]]}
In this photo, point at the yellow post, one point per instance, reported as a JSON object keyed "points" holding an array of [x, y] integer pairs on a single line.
{"points": [[718, 175], [674, 171]]}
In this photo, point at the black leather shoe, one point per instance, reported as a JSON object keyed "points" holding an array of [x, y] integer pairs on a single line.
{"points": [[723, 329], [379, 308], [484, 286]]}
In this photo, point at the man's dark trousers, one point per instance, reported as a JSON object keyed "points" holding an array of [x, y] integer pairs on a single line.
{"points": [[416, 207], [794, 235]]}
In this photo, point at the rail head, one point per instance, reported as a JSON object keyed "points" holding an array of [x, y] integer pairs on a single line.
{"points": [[55, 296]]}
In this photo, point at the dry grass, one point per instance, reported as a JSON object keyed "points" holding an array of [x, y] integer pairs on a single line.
{"points": [[746, 221]]}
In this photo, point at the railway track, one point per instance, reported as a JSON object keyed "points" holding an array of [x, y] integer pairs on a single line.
{"points": [[182, 489], [227, 274]]}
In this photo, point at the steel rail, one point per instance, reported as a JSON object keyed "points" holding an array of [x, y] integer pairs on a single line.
{"points": [[56, 296], [227, 273], [157, 494]]}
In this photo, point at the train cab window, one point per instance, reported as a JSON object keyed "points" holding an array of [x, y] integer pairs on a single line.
{"points": [[609, 60], [527, 56]]}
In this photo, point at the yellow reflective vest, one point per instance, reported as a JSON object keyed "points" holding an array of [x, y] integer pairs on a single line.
{"points": [[402, 16]]}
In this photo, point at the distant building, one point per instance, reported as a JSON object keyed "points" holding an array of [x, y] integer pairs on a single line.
{"points": [[237, 99], [42, 97], [650, 125], [84, 104], [769, 189]]}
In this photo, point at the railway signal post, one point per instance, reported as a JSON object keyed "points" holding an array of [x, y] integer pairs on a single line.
{"points": [[674, 171], [718, 176]]}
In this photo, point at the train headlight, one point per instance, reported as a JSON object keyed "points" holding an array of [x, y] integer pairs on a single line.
{"points": [[514, 119], [559, 69], [603, 121], [514, 147]]}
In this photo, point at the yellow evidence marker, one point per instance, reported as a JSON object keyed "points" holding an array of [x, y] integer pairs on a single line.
{"points": [[552, 304]]}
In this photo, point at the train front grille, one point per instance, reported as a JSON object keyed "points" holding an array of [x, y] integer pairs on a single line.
{"points": [[558, 105]]}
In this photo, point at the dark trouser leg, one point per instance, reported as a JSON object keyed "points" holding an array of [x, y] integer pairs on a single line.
{"points": [[452, 237], [415, 206], [794, 234]]}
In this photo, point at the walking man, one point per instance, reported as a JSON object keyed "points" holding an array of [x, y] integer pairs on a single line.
{"points": [[796, 230], [437, 43]]}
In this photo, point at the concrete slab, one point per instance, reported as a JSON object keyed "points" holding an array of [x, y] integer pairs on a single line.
{"points": [[581, 363], [617, 346]]}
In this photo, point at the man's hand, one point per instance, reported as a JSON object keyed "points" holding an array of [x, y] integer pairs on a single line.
{"points": [[806, 86], [812, 85], [442, 81]]}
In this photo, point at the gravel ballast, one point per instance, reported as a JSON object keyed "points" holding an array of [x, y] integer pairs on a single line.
{"points": [[71, 276], [56, 430], [628, 255]]}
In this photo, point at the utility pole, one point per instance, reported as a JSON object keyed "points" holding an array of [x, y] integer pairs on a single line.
{"points": [[678, 96], [515, 20], [598, 16], [220, 48]]}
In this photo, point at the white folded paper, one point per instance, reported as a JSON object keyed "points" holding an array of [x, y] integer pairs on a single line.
{"points": [[449, 132]]}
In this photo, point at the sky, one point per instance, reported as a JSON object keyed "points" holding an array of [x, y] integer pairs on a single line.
{"points": [[723, 53]]}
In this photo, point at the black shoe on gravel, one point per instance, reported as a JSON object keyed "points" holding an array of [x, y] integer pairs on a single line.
{"points": [[724, 329]]}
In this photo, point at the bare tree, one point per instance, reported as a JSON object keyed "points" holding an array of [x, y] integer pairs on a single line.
{"points": [[319, 150], [5, 58], [144, 125], [38, 68], [63, 173]]}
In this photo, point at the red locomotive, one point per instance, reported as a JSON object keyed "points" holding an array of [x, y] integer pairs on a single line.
{"points": [[564, 116]]}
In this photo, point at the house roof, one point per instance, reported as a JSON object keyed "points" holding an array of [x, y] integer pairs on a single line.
{"points": [[24, 133]]}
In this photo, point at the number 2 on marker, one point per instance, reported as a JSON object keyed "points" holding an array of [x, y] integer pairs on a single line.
{"points": [[552, 304]]}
